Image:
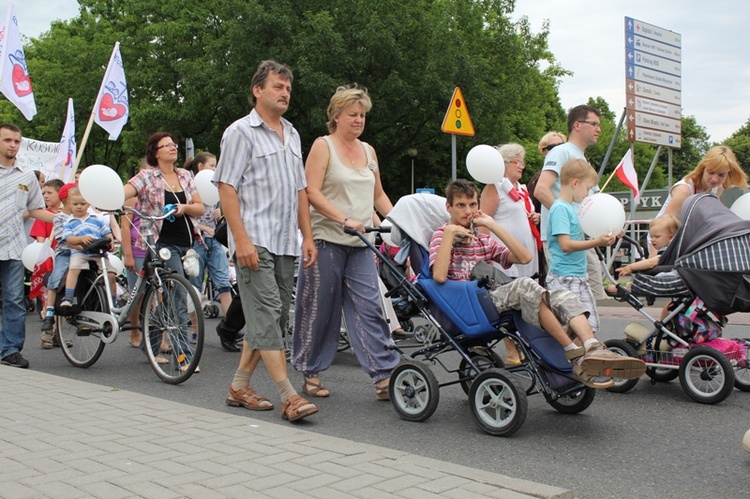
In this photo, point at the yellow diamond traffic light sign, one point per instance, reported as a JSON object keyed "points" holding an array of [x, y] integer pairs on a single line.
{"points": [[457, 120]]}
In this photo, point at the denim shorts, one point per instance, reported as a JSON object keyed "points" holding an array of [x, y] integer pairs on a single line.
{"points": [[62, 261], [211, 254]]}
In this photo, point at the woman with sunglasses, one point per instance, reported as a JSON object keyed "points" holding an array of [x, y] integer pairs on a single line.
{"points": [[546, 144]]}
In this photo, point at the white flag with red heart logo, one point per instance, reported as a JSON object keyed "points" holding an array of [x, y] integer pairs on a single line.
{"points": [[66, 154], [111, 109], [14, 74]]}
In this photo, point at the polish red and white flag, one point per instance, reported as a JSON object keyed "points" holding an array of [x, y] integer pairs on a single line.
{"points": [[627, 175]]}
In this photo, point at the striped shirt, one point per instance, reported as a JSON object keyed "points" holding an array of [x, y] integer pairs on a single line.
{"points": [[59, 226], [464, 256], [90, 226], [19, 193], [267, 176]]}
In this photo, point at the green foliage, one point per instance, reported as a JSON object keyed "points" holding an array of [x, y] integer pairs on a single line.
{"points": [[739, 142], [189, 64]]}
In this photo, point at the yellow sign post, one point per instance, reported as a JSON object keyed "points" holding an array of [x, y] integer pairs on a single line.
{"points": [[457, 122]]}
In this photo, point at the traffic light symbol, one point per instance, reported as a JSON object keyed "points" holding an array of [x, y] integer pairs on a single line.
{"points": [[457, 120]]}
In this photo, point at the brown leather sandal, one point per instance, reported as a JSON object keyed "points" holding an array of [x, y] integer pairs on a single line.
{"points": [[296, 408], [248, 399], [316, 389]]}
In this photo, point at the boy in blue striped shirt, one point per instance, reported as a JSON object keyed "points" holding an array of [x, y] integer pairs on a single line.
{"points": [[80, 229]]}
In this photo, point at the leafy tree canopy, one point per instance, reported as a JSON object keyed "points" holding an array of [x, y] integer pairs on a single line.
{"points": [[189, 64]]}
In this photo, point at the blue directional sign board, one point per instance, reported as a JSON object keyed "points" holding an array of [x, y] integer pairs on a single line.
{"points": [[653, 84]]}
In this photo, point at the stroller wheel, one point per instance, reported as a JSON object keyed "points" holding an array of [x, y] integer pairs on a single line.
{"points": [[573, 403], [626, 349], [484, 360], [662, 375], [498, 403], [706, 375], [742, 378], [414, 391]]}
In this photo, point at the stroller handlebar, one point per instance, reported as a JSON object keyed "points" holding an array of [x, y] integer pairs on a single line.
{"points": [[354, 232]]}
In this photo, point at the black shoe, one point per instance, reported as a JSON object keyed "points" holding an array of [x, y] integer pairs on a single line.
{"points": [[15, 360], [228, 344], [48, 323]]}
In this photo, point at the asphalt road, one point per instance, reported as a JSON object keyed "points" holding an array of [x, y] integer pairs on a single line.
{"points": [[651, 442]]}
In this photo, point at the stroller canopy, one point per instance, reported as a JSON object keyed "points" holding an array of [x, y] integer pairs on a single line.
{"points": [[711, 252]]}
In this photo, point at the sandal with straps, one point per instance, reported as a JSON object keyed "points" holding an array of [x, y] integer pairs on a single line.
{"points": [[381, 389], [247, 398], [296, 408], [316, 389]]}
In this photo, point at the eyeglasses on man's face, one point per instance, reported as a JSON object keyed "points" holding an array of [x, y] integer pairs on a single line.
{"points": [[595, 124]]}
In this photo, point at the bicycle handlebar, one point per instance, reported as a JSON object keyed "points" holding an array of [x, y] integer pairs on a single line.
{"points": [[149, 217]]}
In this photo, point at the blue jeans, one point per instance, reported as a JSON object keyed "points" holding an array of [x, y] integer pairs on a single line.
{"points": [[175, 263], [13, 333], [62, 262], [211, 254]]}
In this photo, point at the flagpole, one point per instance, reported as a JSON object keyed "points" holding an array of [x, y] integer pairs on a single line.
{"points": [[610, 178], [83, 146]]}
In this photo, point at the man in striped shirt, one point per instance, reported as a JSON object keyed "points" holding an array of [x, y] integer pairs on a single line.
{"points": [[19, 193], [456, 248], [261, 181]]}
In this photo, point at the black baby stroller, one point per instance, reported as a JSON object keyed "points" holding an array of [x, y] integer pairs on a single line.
{"points": [[705, 271], [469, 324]]}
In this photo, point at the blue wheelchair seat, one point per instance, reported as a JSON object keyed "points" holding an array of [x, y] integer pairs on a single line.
{"points": [[543, 344], [467, 305]]}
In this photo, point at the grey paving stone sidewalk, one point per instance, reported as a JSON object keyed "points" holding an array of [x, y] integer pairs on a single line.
{"points": [[64, 438]]}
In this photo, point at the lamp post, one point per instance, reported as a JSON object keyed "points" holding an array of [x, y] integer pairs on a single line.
{"points": [[413, 154]]}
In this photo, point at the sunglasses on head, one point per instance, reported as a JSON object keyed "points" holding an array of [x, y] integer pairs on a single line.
{"points": [[550, 147]]}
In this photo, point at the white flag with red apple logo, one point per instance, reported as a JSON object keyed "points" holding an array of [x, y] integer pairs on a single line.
{"points": [[14, 75], [66, 154], [111, 109]]}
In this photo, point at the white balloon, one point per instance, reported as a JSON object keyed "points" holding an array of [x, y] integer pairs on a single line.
{"points": [[741, 207], [102, 187], [601, 214], [386, 236], [117, 264], [208, 191], [485, 164], [30, 255]]}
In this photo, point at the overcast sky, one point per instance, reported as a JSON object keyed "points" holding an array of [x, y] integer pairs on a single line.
{"points": [[587, 38]]}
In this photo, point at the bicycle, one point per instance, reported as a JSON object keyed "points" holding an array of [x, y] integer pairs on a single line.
{"points": [[170, 311]]}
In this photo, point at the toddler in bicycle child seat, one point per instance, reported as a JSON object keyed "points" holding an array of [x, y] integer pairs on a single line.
{"points": [[62, 257], [661, 229], [80, 229]]}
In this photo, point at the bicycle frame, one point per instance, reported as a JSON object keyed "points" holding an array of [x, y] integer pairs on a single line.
{"points": [[113, 320]]}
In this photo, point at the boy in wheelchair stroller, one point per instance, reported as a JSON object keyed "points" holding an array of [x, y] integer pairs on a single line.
{"points": [[456, 248]]}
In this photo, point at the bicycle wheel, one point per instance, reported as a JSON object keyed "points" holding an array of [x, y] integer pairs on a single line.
{"points": [[80, 344], [171, 313]]}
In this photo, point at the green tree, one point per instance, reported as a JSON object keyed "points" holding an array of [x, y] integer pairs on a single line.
{"points": [[739, 142], [189, 65]]}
